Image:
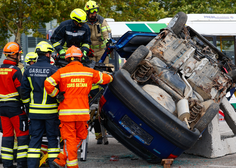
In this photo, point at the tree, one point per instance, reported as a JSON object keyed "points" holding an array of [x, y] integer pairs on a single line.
{"points": [[131, 10], [18, 16]]}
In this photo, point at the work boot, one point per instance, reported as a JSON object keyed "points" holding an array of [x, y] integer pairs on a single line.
{"points": [[60, 161], [99, 140]]}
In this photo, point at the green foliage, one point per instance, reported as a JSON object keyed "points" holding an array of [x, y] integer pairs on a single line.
{"points": [[17, 16]]}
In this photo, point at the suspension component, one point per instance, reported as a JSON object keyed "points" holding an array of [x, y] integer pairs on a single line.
{"points": [[143, 72], [195, 111]]}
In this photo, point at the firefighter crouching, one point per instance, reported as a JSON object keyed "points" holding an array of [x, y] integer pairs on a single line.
{"points": [[42, 108], [75, 82], [12, 116]]}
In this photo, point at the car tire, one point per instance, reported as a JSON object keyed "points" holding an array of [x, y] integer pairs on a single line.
{"points": [[136, 57], [207, 117], [177, 23], [156, 117], [230, 115]]}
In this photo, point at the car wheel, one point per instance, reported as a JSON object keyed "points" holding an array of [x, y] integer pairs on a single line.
{"points": [[207, 117], [230, 115], [177, 23], [136, 57]]}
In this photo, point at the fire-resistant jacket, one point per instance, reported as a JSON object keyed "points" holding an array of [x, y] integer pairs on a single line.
{"points": [[99, 34], [69, 34], [10, 79], [41, 106], [76, 81]]}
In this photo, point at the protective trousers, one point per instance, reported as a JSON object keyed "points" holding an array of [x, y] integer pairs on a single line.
{"points": [[36, 129], [72, 133], [19, 123]]}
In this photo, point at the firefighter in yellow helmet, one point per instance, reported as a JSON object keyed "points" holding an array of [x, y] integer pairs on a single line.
{"points": [[72, 32], [100, 30], [31, 58], [100, 34]]}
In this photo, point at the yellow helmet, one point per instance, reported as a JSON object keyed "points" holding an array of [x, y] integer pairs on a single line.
{"points": [[43, 47], [78, 15], [31, 56], [91, 7]]}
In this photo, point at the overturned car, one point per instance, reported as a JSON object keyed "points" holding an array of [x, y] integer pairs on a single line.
{"points": [[167, 92]]}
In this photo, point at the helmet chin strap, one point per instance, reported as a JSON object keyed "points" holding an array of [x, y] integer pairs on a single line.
{"points": [[16, 59]]}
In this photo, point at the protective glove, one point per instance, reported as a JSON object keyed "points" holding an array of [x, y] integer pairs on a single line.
{"points": [[85, 58], [60, 96], [108, 42], [62, 54], [90, 53]]}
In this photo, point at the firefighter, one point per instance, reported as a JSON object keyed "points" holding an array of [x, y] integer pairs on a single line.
{"points": [[42, 108], [100, 35], [72, 32], [75, 82], [100, 31], [13, 118], [31, 58]]}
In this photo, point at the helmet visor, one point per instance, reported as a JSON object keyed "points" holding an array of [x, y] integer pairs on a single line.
{"points": [[95, 10]]}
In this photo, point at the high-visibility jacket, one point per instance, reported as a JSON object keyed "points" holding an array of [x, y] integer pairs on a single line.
{"points": [[99, 34], [76, 81], [68, 34], [41, 106], [10, 79]]}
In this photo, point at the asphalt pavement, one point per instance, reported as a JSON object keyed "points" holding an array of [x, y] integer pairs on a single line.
{"points": [[115, 155]]}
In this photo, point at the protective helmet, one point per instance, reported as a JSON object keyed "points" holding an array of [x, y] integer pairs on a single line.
{"points": [[73, 52], [43, 47], [78, 15], [91, 7], [11, 48], [31, 56]]}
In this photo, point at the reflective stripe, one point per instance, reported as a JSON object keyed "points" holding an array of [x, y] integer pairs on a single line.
{"points": [[104, 28], [54, 92], [33, 149], [85, 45], [2, 96], [44, 149], [44, 105], [74, 112], [76, 74], [45, 95], [101, 78], [48, 111], [7, 156], [56, 44], [32, 88], [22, 147], [78, 33], [10, 99], [108, 28], [26, 100], [52, 155], [111, 78], [7, 149], [21, 155], [72, 162], [53, 150], [94, 87], [33, 155], [51, 81]]}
